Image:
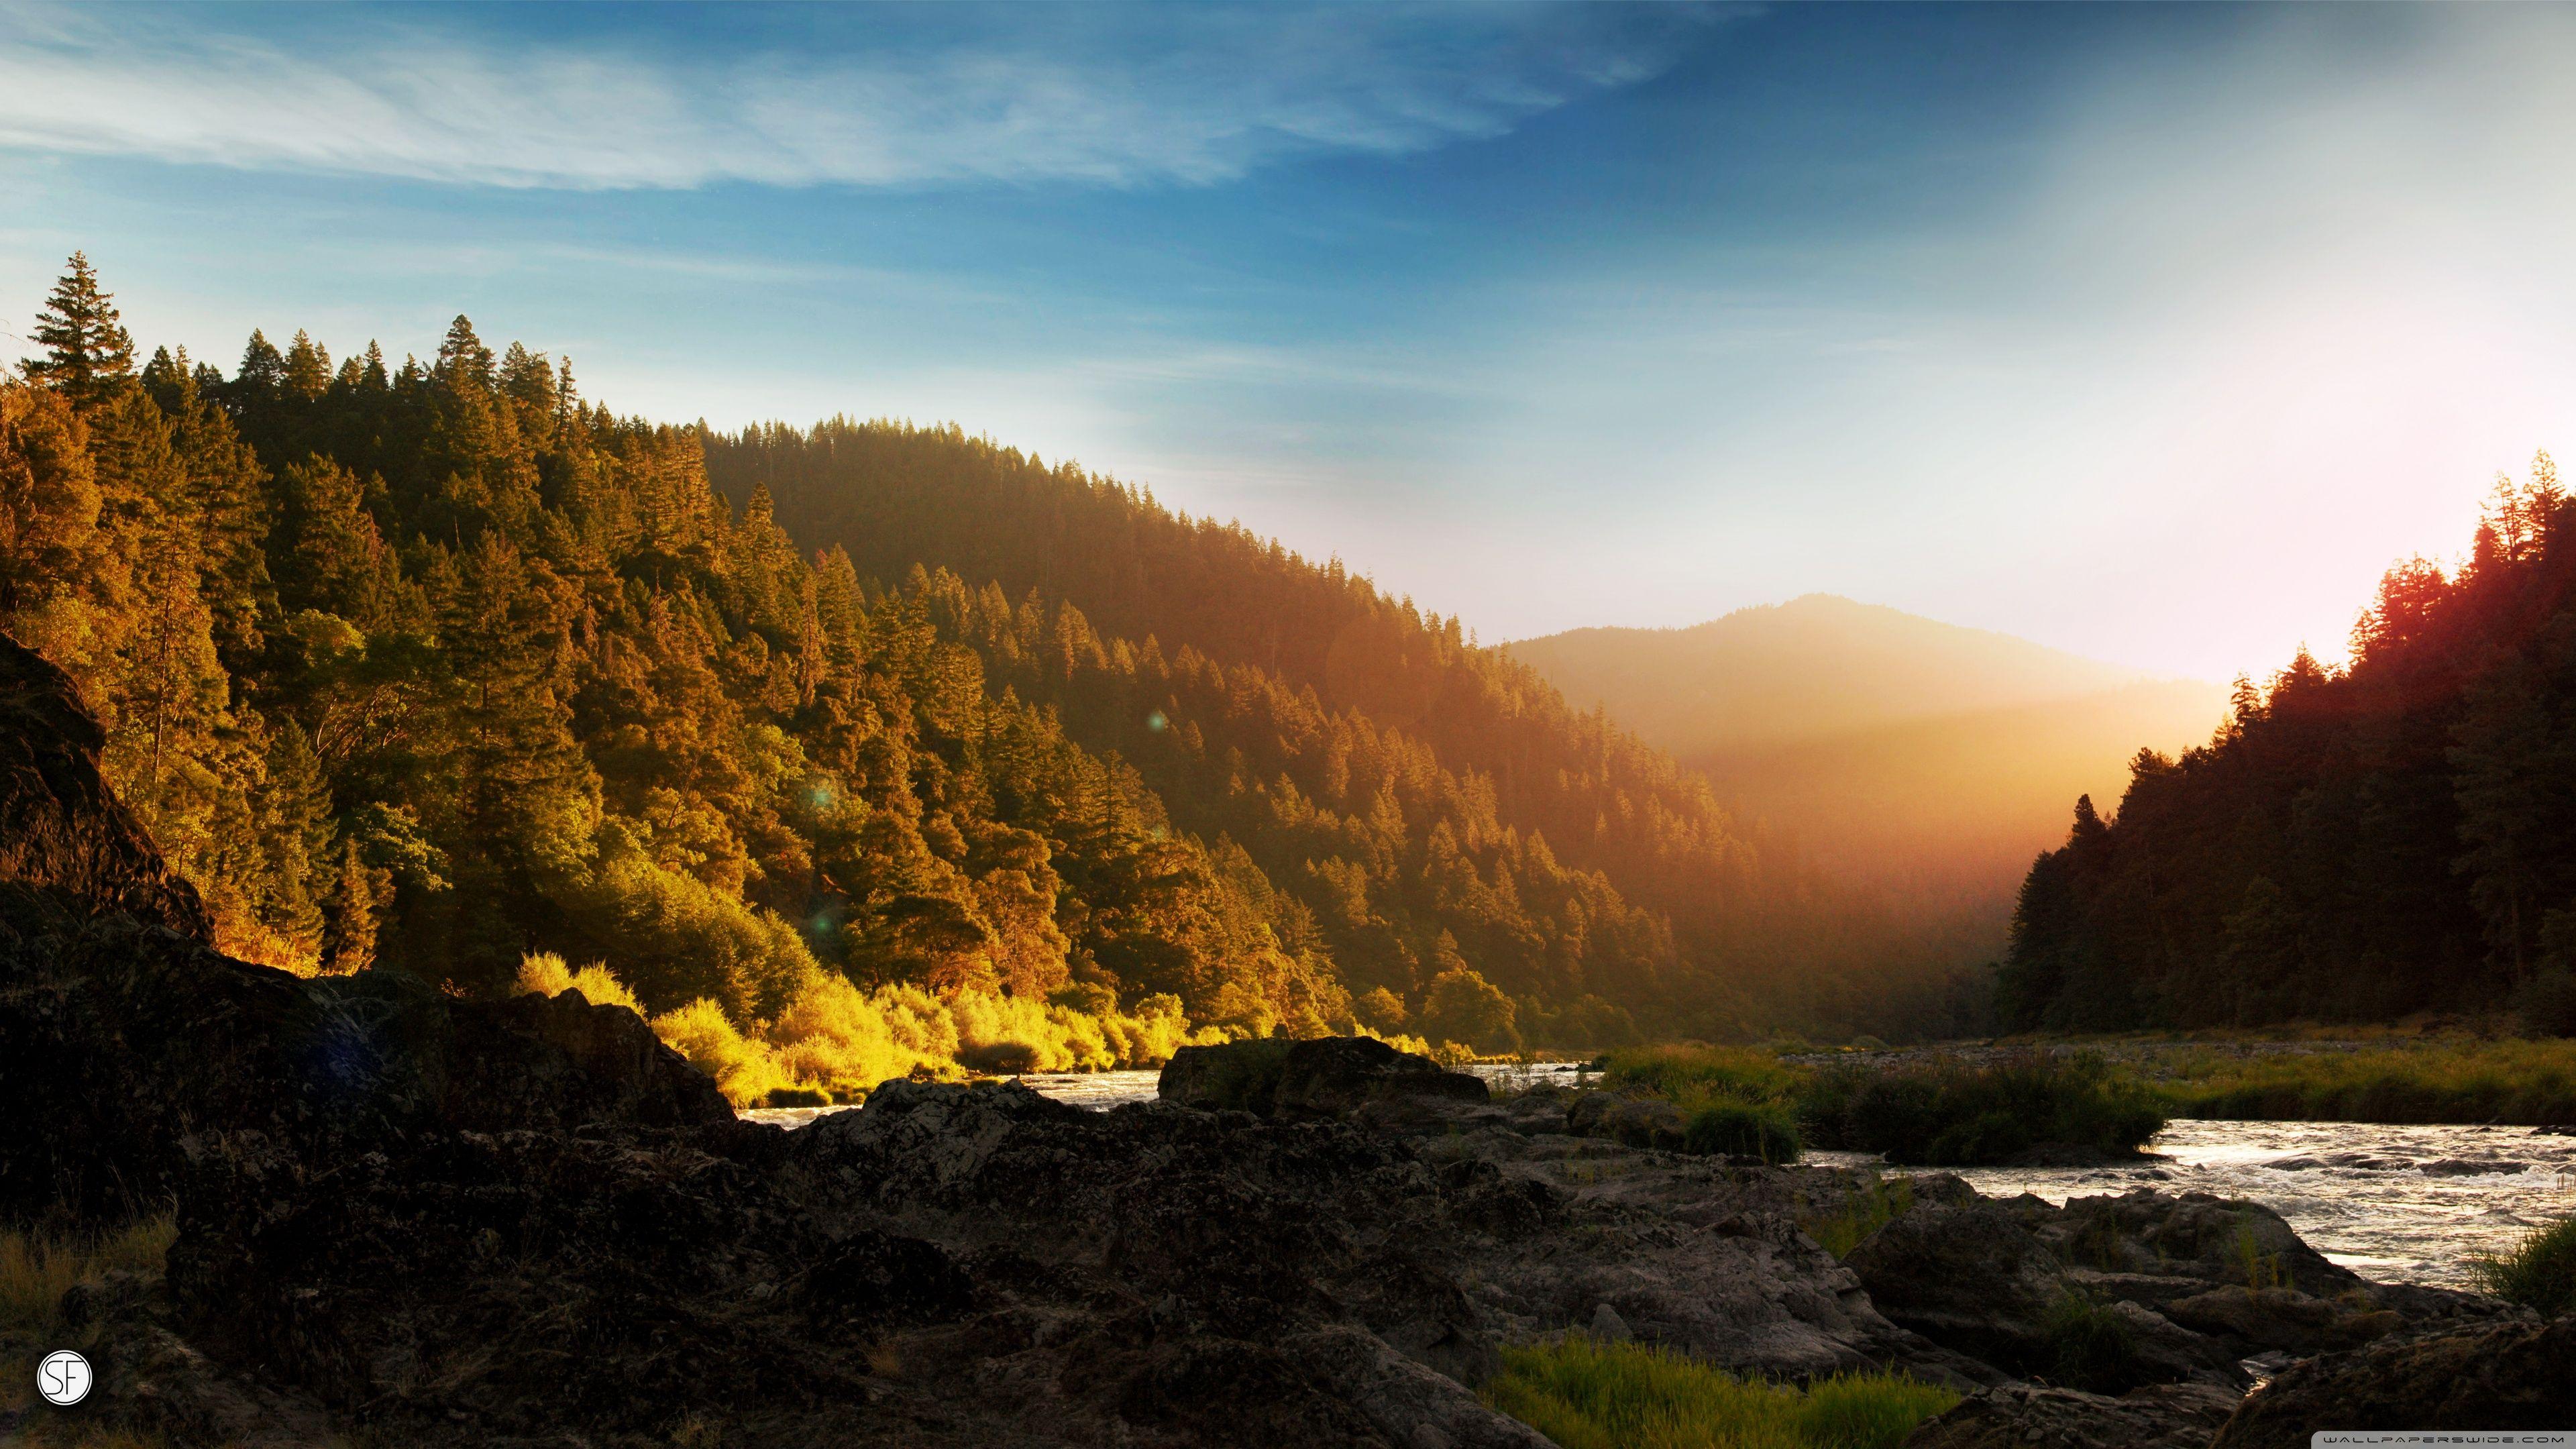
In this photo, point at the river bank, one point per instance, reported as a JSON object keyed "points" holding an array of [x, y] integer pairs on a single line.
{"points": [[2394, 1203], [2365, 1077]]}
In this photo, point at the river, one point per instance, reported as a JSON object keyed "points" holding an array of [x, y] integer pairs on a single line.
{"points": [[2400, 1204]]}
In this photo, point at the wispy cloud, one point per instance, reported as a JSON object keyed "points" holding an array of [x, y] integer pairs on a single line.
{"points": [[1106, 97]]}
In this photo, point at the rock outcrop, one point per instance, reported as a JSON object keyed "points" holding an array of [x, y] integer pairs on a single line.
{"points": [[2519, 1374], [2028, 1416], [1327, 1077], [2198, 1285], [69, 849]]}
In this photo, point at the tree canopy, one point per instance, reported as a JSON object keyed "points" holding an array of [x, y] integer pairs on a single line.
{"points": [[442, 667], [2391, 837]]}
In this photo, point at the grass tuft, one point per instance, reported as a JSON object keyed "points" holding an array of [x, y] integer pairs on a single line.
{"points": [[1592, 1395], [2530, 1083], [1938, 1113], [37, 1268], [2087, 1346], [1681, 1073], [2540, 1272], [1956, 1115], [1862, 1214], [1743, 1129]]}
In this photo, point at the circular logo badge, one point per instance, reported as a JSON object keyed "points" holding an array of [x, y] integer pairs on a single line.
{"points": [[63, 1378]]}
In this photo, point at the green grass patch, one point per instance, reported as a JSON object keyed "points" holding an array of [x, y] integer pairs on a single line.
{"points": [[1683, 1073], [1862, 1214], [2540, 1272], [1590, 1395], [2084, 1345], [1947, 1114], [1743, 1129], [2525, 1083], [1932, 1114]]}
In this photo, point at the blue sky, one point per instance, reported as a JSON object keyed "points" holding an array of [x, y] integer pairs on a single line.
{"points": [[2152, 333]]}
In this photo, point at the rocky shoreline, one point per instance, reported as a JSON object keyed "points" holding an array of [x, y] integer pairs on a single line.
{"points": [[407, 1219]]}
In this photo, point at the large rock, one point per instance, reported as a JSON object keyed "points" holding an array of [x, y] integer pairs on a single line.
{"points": [[2281, 1320], [1325, 1077], [2194, 1234], [1969, 1276], [2027, 1416], [2141, 1287], [69, 849], [2514, 1375], [1636, 1121]]}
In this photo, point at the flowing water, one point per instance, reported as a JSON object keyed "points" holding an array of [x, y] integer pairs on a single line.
{"points": [[2403, 1204]]}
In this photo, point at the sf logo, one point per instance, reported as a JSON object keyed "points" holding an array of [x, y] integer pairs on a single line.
{"points": [[63, 1378]]}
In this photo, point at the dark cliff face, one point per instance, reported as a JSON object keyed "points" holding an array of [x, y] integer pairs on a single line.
{"points": [[69, 849], [128, 1044]]}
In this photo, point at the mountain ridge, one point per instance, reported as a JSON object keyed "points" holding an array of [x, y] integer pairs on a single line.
{"points": [[2015, 671], [1890, 746]]}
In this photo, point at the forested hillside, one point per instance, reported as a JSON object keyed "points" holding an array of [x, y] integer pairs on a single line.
{"points": [[1422, 799], [438, 665], [2396, 836]]}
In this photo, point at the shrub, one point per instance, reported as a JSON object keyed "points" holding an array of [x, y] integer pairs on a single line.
{"points": [[999, 1058], [2540, 1272], [1380, 1009], [2547, 1002], [746, 1070], [1742, 1129], [1463, 1006], [2084, 1345], [1590, 1395], [835, 1037], [546, 973], [1964, 1116]]}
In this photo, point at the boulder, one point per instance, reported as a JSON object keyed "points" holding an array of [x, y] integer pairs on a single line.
{"points": [[69, 849], [2512, 1375], [1323, 1077], [2028, 1416], [1333, 1075], [1970, 1277], [2281, 1320], [2195, 1234], [1635, 1121]]}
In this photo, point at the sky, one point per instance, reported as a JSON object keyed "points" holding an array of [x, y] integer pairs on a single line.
{"points": [[2152, 333]]}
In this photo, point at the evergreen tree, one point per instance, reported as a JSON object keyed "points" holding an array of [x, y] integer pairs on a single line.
{"points": [[88, 353]]}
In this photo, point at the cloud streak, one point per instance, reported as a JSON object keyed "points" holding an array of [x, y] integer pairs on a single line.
{"points": [[1119, 99]]}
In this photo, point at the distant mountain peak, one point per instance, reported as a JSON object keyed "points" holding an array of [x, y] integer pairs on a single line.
{"points": [[1816, 664]]}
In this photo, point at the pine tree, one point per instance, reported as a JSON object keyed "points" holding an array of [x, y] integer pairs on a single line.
{"points": [[87, 353]]}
